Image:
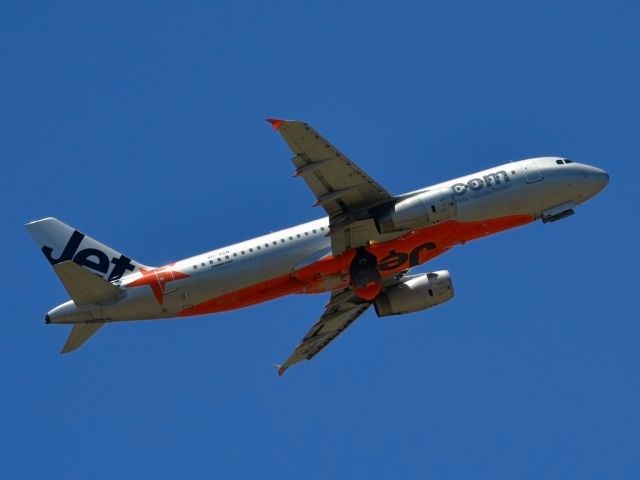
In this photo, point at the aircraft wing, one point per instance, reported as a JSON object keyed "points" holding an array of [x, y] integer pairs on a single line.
{"points": [[342, 188], [343, 309]]}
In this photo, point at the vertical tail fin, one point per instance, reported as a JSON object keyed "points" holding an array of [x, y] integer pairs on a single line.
{"points": [[60, 243]]}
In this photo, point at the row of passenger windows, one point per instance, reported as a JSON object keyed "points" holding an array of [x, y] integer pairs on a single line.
{"points": [[260, 247]]}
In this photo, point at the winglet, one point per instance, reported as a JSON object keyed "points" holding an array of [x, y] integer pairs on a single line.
{"points": [[281, 369], [276, 123]]}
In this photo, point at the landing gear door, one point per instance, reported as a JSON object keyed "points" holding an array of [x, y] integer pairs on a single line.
{"points": [[532, 172]]}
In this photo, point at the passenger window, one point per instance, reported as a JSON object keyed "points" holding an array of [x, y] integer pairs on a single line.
{"points": [[235, 254], [275, 243], [290, 238], [251, 249], [210, 262], [203, 264], [314, 230], [266, 245], [306, 234], [227, 257], [195, 267], [298, 235]]}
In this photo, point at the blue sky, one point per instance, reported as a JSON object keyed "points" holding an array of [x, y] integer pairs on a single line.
{"points": [[141, 123]]}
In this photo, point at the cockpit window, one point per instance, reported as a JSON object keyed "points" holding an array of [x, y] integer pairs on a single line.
{"points": [[562, 161]]}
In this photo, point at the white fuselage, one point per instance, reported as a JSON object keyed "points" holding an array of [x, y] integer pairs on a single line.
{"points": [[527, 188]]}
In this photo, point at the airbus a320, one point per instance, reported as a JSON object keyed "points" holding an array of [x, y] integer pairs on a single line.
{"points": [[361, 253]]}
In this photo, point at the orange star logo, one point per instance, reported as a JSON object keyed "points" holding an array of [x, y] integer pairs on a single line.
{"points": [[157, 279]]}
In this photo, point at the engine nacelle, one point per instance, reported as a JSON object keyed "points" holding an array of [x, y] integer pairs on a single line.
{"points": [[415, 293], [418, 211]]}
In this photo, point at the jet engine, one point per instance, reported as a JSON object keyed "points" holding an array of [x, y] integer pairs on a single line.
{"points": [[418, 211], [415, 293]]}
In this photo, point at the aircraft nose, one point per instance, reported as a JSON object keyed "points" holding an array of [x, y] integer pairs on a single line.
{"points": [[593, 180], [599, 178], [604, 179]]}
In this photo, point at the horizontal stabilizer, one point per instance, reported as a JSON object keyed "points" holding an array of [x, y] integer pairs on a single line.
{"points": [[83, 286], [80, 333]]}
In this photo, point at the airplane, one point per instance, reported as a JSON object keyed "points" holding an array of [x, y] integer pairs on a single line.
{"points": [[362, 252]]}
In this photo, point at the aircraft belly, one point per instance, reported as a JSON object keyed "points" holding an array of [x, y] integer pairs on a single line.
{"points": [[134, 306], [138, 305], [251, 280]]}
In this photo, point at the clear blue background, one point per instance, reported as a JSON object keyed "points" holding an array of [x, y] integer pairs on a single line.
{"points": [[141, 123]]}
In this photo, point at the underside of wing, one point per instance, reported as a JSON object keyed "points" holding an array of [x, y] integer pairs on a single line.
{"points": [[343, 189], [343, 309], [80, 333], [339, 185]]}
